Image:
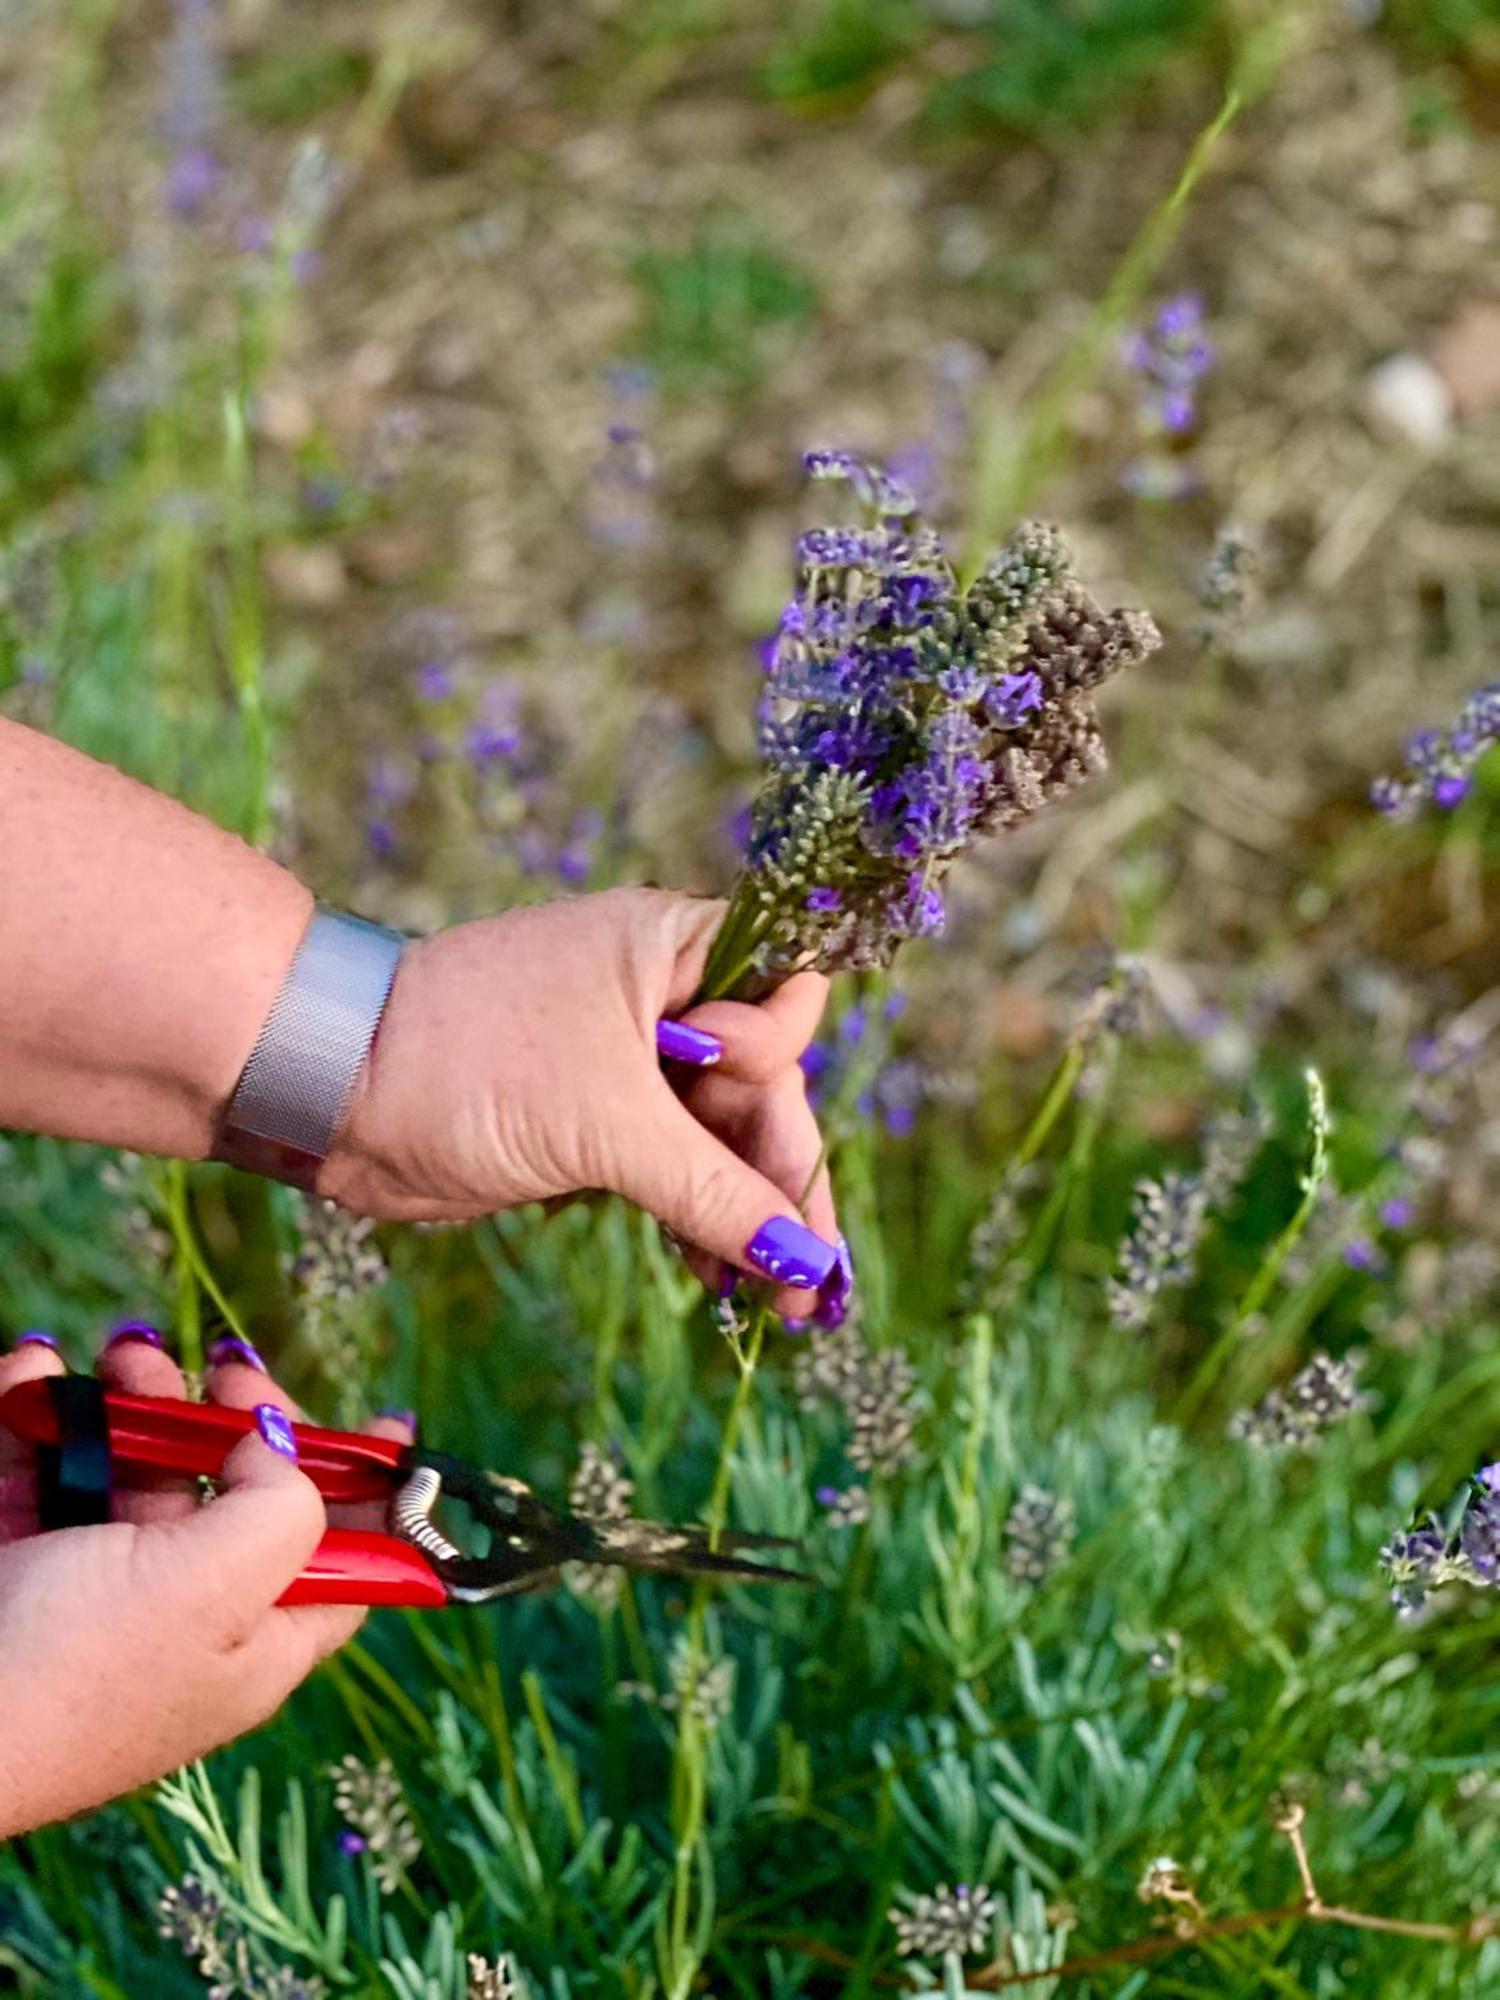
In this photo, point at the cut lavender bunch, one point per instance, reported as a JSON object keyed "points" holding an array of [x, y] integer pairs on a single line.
{"points": [[904, 718]]}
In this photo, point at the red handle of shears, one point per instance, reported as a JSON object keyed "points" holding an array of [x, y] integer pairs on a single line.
{"points": [[165, 1434]]}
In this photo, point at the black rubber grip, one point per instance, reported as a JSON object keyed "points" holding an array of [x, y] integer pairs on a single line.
{"points": [[73, 1476]]}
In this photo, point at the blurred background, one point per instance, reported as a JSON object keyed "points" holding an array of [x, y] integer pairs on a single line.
{"points": [[445, 370]]}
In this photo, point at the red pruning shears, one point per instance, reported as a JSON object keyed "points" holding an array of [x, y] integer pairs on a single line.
{"points": [[91, 1439]]}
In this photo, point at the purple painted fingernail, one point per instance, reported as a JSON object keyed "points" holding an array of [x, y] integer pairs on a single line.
{"points": [[791, 1253], [133, 1329], [836, 1291], [729, 1281], [407, 1417], [795, 1327], [679, 1043], [275, 1426], [229, 1347], [35, 1337]]}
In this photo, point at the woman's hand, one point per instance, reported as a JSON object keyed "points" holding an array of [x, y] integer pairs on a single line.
{"points": [[517, 1061], [128, 1649]]}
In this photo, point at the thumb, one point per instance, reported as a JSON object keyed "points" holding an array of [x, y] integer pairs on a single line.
{"points": [[232, 1559], [707, 1195]]}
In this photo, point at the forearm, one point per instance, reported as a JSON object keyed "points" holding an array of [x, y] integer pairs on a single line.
{"points": [[141, 949]]}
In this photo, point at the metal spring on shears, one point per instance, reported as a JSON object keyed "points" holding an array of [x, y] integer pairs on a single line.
{"points": [[411, 1514]]}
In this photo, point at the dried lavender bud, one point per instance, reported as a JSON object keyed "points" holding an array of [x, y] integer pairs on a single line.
{"points": [[600, 1491], [1118, 1004], [903, 718], [281, 1983], [1039, 1532], [1159, 1253], [336, 1259], [1440, 763], [876, 1391], [1166, 1882], [1311, 1403], [995, 1237], [370, 1798], [845, 1508], [883, 1413], [703, 1689], [1230, 579], [829, 1368], [491, 1980], [1420, 1561], [1230, 1142], [192, 1917], [959, 1920]]}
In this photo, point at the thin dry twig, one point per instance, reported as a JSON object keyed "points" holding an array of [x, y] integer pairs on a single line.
{"points": [[1188, 1930]]}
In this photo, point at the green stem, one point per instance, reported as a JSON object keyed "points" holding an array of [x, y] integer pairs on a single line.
{"points": [[1270, 1267], [1010, 469], [192, 1271]]}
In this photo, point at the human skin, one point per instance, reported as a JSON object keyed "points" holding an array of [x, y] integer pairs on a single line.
{"points": [[130, 1648], [142, 947]]}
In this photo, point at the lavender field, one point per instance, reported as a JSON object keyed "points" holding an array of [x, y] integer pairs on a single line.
{"points": [[1009, 494]]}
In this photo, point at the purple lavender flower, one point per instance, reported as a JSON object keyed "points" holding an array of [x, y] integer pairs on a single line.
{"points": [[192, 109], [193, 178], [859, 1067], [1399, 1212], [1013, 698], [1440, 763], [1170, 357], [435, 680], [620, 510], [1360, 1254]]}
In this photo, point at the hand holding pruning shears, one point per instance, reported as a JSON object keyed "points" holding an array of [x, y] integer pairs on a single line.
{"points": [[152, 1628]]}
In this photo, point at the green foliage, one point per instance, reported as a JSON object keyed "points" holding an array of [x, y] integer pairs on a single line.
{"points": [[719, 313], [846, 44], [1021, 65], [288, 85], [1466, 31]]}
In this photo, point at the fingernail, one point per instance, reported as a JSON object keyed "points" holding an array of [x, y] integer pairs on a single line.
{"points": [[133, 1329], [836, 1291], [275, 1426], [229, 1347], [35, 1337], [795, 1327], [729, 1281], [407, 1417], [791, 1253], [679, 1043]]}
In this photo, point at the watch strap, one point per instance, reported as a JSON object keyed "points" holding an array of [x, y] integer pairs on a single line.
{"points": [[295, 1089]]}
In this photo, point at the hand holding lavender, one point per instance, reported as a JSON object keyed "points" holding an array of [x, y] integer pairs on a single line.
{"points": [[904, 718]]}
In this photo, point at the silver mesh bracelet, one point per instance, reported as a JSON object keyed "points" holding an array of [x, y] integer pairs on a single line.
{"points": [[294, 1090]]}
